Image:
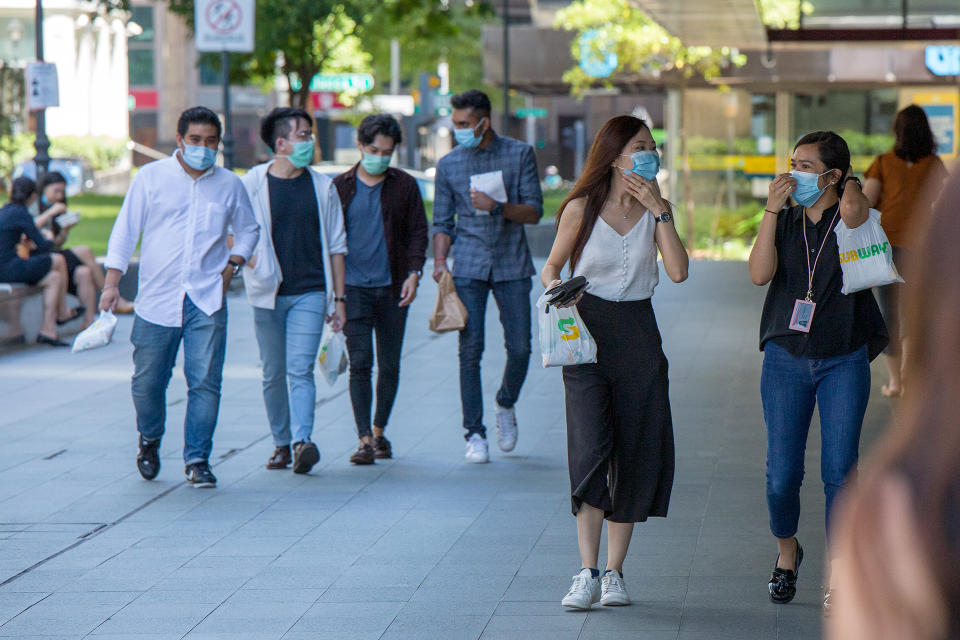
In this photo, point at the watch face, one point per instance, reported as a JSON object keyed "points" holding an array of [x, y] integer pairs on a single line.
{"points": [[664, 217]]}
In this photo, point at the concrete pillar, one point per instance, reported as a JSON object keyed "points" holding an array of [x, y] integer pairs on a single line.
{"points": [[672, 148]]}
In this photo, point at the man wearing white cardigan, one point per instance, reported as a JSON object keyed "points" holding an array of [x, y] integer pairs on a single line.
{"points": [[295, 280]]}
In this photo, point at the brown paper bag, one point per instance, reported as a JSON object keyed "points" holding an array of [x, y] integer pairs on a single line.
{"points": [[449, 314]]}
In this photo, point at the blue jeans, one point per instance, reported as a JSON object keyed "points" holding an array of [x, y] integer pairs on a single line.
{"points": [[513, 300], [154, 355], [289, 338], [790, 387]]}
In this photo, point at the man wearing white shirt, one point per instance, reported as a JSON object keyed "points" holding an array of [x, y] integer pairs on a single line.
{"points": [[183, 206]]}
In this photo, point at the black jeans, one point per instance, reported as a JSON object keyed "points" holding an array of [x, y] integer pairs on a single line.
{"points": [[369, 310]]}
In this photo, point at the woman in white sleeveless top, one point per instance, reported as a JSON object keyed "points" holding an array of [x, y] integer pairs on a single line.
{"points": [[619, 428]]}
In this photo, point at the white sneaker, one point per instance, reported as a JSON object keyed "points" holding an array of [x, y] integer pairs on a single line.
{"points": [[584, 591], [506, 428], [614, 593], [477, 450]]}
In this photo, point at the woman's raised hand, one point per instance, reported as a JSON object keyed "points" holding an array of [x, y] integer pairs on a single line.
{"points": [[647, 192], [780, 189]]}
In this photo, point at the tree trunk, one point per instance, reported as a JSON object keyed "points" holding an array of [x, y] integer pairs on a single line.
{"points": [[687, 179]]}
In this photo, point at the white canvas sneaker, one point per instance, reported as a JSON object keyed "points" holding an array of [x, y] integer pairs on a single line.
{"points": [[506, 428], [584, 591], [613, 591], [477, 450]]}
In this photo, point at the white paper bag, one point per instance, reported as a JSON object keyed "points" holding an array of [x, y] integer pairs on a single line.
{"points": [[866, 255], [97, 334], [332, 360], [564, 339]]}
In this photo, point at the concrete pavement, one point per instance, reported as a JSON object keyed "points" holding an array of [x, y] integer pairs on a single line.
{"points": [[422, 546]]}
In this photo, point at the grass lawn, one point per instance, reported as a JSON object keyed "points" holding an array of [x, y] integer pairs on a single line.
{"points": [[97, 213]]}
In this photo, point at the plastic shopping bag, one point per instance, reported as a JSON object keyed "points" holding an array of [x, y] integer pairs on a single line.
{"points": [[564, 339], [449, 314], [97, 334], [865, 255], [332, 360]]}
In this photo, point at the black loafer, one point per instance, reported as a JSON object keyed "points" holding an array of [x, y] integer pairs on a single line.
{"points": [[53, 342], [783, 582], [305, 455], [148, 459]]}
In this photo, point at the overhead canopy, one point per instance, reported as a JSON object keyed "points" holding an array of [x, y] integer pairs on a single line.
{"points": [[716, 23]]}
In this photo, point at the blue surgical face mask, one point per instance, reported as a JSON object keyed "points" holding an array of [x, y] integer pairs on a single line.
{"points": [[199, 158], [467, 138], [44, 201], [646, 163], [807, 191], [374, 165]]}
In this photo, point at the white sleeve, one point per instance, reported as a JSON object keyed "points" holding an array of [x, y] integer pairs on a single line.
{"points": [[246, 231], [333, 221], [128, 225]]}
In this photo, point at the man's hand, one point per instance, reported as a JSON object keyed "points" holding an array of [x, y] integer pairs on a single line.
{"points": [[409, 291], [227, 275], [109, 298], [338, 318], [439, 268], [482, 201]]}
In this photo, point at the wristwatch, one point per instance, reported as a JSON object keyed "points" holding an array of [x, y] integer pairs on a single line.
{"points": [[419, 272], [666, 216], [342, 298], [236, 266], [497, 209]]}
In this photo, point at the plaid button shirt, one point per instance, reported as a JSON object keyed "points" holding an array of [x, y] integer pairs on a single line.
{"points": [[487, 247]]}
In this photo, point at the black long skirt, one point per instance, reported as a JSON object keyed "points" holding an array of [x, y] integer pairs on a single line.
{"points": [[619, 427]]}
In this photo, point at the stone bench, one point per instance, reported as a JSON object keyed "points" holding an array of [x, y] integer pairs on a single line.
{"points": [[21, 315]]}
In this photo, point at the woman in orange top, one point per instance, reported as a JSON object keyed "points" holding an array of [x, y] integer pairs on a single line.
{"points": [[902, 184]]}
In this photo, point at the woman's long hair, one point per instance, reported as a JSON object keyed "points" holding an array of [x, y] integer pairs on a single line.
{"points": [[914, 136], [594, 182], [923, 446]]}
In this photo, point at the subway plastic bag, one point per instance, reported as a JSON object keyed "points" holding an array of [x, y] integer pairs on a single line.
{"points": [[332, 360], [564, 338], [866, 256], [97, 334]]}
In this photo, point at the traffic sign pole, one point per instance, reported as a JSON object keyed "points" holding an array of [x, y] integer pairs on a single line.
{"points": [[227, 120]]}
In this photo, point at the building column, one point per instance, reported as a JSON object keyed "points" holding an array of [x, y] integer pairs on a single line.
{"points": [[784, 117]]}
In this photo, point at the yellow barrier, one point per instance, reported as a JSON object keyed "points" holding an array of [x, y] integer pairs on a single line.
{"points": [[752, 165]]}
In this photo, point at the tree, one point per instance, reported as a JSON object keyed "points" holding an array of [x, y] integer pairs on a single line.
{"points": [[300, 38], [645, 49], [12, 114]]}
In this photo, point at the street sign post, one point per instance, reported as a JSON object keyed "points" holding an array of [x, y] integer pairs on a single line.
{"points": [[224, 26], [42, 88]]}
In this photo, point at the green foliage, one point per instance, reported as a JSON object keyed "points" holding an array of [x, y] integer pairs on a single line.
{"points": [[300, 38], [783, 14], [102, 152], [97, 214], [642, 46], [864, 144]]}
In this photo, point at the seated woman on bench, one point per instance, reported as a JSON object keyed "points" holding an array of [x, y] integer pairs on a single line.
{"points": [[49, 272]]}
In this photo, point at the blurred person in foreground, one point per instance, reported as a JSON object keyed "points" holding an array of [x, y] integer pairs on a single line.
{"points": [[180, 209], [487, 189], [386, 243], [899, 528], [902, 184]]}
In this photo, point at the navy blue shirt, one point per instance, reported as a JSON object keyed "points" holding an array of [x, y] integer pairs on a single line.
{"points": [[295, 225], [15, 220], [368, 264]]}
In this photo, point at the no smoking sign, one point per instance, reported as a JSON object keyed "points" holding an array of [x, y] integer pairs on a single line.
{"points": [[224, 25]]}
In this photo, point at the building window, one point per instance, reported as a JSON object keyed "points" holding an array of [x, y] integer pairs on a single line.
{"points": [[141, 68], [143, 16]]}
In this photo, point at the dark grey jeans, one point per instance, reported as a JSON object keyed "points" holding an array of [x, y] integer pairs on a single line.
{"points": [[373, 310]]}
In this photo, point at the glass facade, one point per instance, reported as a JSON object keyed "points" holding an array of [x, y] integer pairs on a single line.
{"points": [[140, 49]]}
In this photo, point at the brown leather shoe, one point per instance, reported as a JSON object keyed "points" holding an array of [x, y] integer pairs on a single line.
{"points": [[280, 458], [363, 455], [382, 448], [305, 455]]}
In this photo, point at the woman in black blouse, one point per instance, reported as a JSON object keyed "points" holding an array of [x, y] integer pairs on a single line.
{"points": [[817, 342], [46, 271], [85, 278]]}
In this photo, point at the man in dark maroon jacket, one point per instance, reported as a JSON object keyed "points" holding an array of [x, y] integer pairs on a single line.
{"points": [[386, 243]]}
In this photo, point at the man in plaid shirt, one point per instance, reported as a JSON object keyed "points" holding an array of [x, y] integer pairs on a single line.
{"points": [[487, 188]]}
